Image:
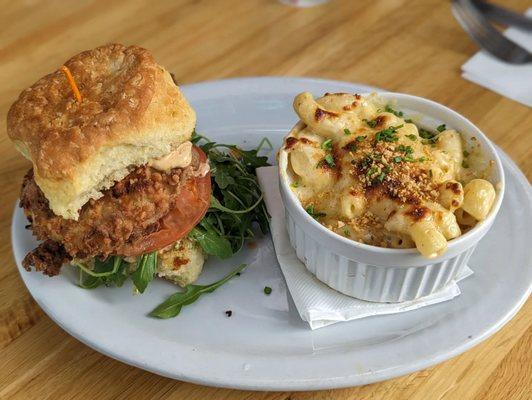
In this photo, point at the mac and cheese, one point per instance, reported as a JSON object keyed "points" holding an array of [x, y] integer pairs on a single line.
{"points": [[367, 172]]}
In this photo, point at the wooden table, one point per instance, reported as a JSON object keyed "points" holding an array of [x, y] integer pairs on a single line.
{"points": [[401, 45]]}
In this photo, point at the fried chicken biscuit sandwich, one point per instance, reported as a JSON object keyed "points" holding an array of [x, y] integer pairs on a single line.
{"points": [[114, 171]]}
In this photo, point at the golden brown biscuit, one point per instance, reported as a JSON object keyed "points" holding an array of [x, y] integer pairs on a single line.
{"points": [[131, 111]]}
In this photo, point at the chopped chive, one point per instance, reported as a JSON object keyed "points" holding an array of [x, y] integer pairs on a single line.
{"points": [[412, 137], [465, 153], [351, 146], [312, 212], [267, 290], [327, 145], [397, 159], [346, 232], [371, 123], [408, 121], [405, 149], [347, 131], [441, 128], [361, 138], [329, 160], [295, 184], [388, 134], [394, 112]]}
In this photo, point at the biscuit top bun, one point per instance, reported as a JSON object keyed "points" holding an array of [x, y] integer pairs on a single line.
{"points": [[131, 112]]}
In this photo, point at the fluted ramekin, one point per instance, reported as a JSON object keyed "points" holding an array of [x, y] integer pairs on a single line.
{"points": [[381, 274]]}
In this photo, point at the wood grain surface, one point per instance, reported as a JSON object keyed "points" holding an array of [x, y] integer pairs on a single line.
{"points": [[402, 45]]}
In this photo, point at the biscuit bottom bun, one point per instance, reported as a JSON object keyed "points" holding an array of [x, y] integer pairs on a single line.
{"points": [[114, 172]]}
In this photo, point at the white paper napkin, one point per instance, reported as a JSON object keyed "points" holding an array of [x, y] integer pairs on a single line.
{"points": [[316, 302], [513, 81]]}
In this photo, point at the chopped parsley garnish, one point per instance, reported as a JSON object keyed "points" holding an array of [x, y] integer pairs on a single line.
{"points": [[412, 137], [391, 110], [430, 137], [388, 134], [294, 184], [397, 159], [372, 171], [351, 146], [329, 160], [346, 232], [381, 176], [267, 290], [409, 158], [404, 149], [367, 161], [441, 128], [408, 121], [347, 131], [371, 123], [465, 153], [313, 213], [327, 145], [361, 138]]}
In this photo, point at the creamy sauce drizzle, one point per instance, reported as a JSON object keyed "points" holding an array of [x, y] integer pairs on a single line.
{"points": [[178, 158]]}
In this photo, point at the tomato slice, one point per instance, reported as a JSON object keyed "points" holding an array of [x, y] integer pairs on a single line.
{"points": [[192, 205]]}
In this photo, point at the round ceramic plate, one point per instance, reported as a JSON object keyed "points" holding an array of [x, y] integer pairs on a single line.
{"points": [[265, 345]]}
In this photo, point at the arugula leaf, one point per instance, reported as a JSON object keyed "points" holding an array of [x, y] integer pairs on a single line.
{"points": [[172, 306], [236, 202], [222, 176], [113, 271], [211, 242], [145, 272]]}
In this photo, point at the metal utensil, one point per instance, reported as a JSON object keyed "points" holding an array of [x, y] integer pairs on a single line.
{"points": [[503, 16], [486, 36]]}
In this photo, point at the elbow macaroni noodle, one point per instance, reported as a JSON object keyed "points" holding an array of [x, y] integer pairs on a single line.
{"points": [[367, 172]]}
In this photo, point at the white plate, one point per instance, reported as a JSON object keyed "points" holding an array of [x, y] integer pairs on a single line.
{"points": [[264, 345]]}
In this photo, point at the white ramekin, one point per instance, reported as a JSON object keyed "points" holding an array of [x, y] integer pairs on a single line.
{"points": [[381, 274]]}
